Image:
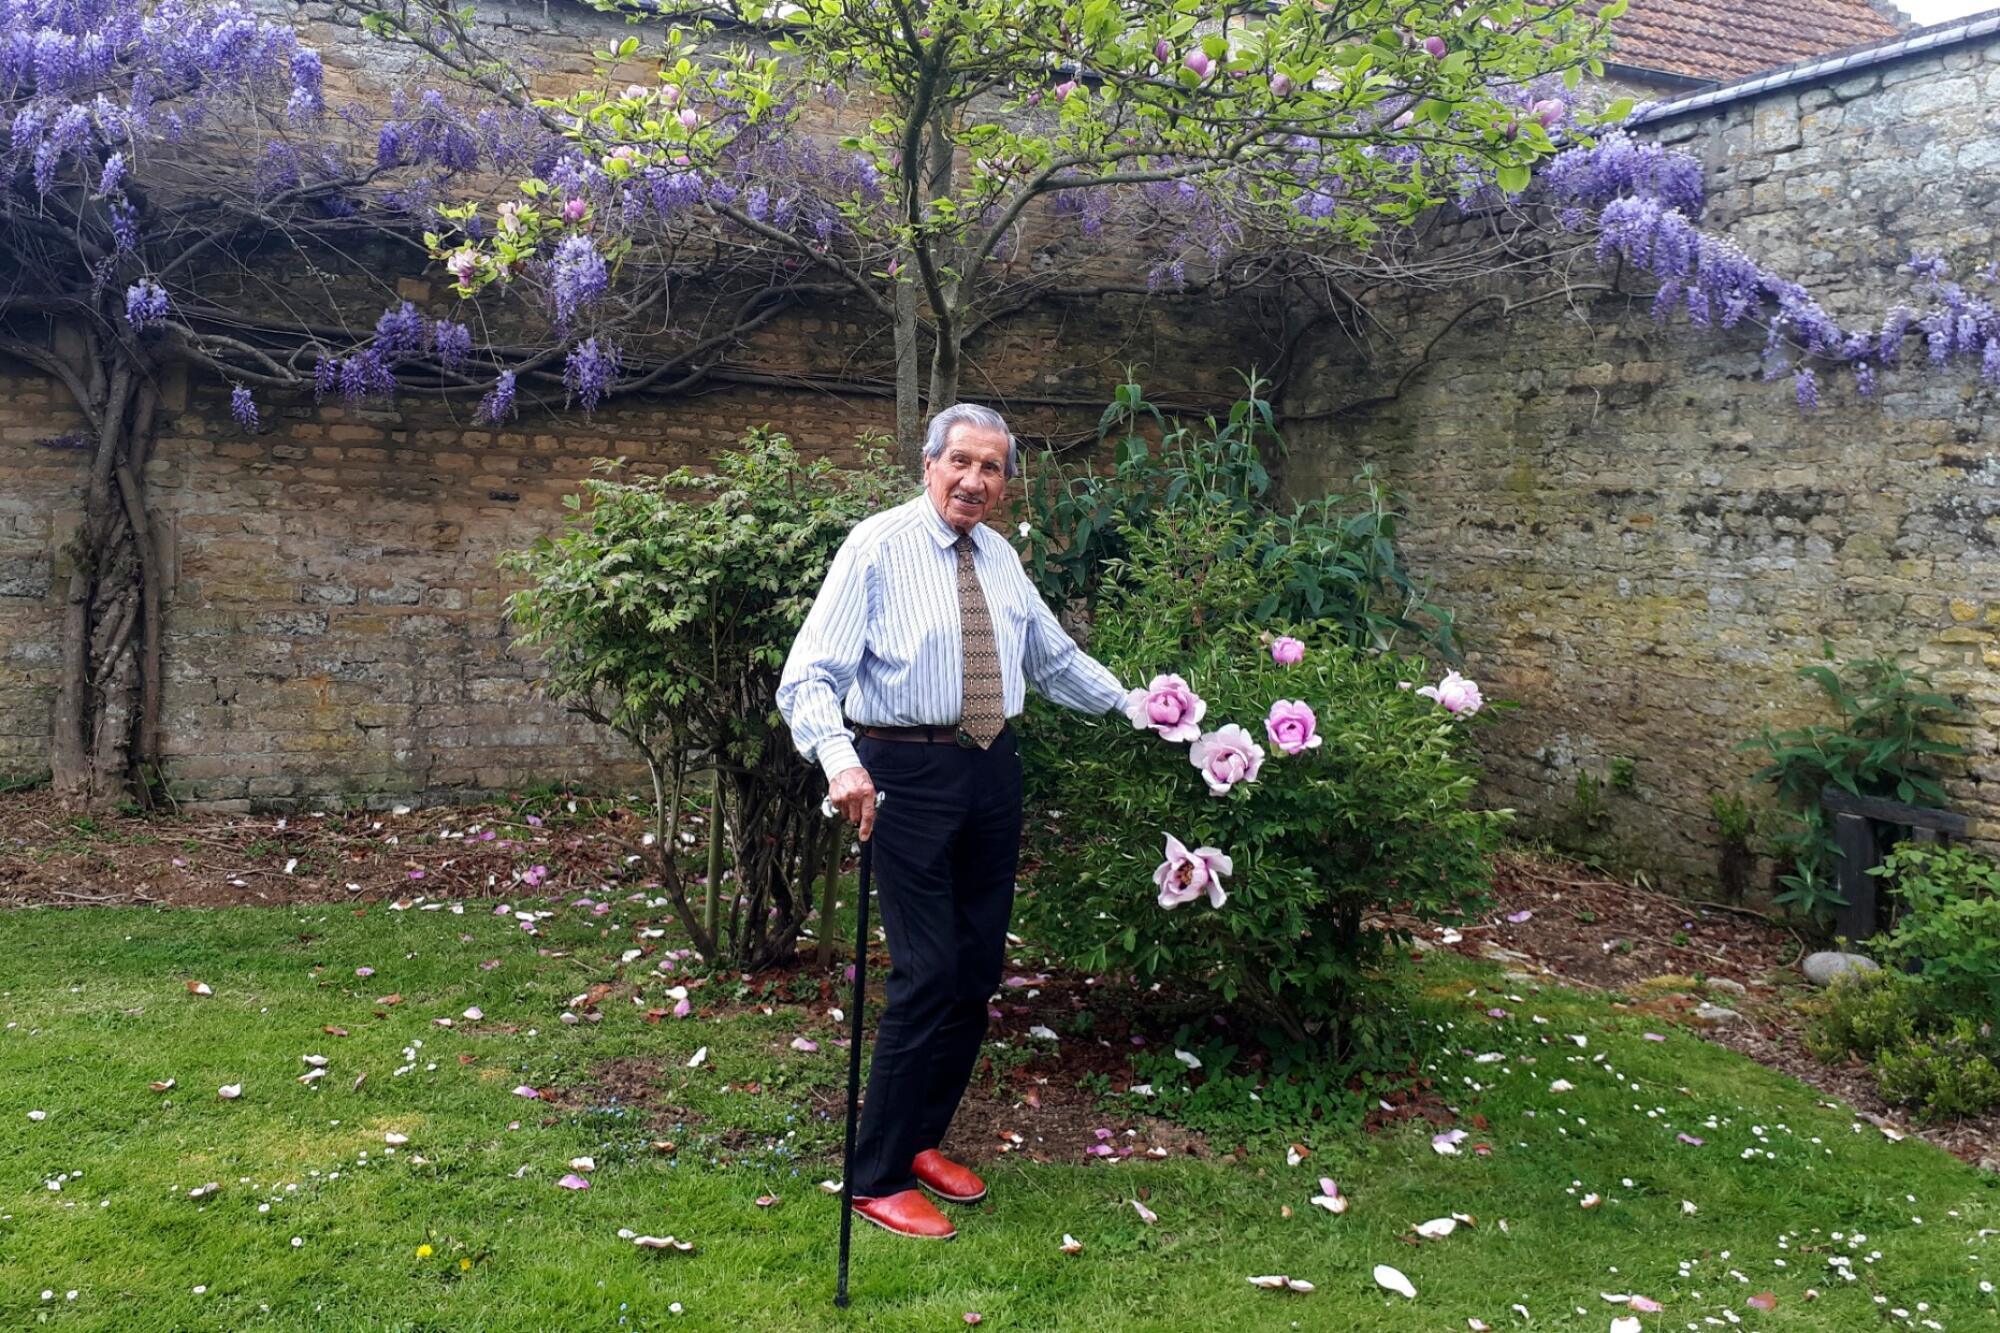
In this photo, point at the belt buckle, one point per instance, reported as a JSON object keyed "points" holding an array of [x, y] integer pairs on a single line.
{"points": [[965, 741]]}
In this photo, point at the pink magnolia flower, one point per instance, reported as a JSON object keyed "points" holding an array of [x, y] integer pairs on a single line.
{"points": [[1285, 650], [1186, 875], [1169, 706], [689, 118], [1436, 46], [1064, 89], [1163, 50], [1281, 84], [1226, 756], [1549, 110], [1292, 726], [574, 209], [1199, 62], [464, 265], [1457, 695]]}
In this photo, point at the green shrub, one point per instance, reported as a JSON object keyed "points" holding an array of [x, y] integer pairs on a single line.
{"points": [[1331, 561], [1948, 926], [1946, 1076], [1877, 748], [1923, 1056], [1322, 843], [1866, 1013], [665, 611]]}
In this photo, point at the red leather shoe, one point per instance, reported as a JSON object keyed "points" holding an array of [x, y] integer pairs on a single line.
{"points": [[907, 1213], [946, 1178]]}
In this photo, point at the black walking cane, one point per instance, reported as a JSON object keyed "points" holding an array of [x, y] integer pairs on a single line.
{"points": [[854, 1057]]}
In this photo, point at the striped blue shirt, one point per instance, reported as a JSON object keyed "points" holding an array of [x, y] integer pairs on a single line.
{"points": [[883, 637]]}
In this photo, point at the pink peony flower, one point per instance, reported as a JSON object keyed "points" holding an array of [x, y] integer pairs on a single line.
{"points": [[1285, 650], [1186, 875], [1292, 726], [1457, 695], [1226, 756], [1199, 62], [1169, 706]]}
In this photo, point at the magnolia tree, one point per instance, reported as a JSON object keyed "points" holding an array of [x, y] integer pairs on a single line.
{"points": [[1232, 143], [180, 193]]}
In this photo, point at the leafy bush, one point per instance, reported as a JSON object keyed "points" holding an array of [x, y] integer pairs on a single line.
{"points": [[1331, 561], [665, 610], [1922, 1054], [1320, 843], [1949, 1075], [1878, 748], [1948, 924]]}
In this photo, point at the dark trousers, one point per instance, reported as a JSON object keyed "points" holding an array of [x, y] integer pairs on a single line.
{"points": [[946, 843]]}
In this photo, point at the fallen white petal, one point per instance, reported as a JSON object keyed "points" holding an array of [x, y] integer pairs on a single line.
{"points": [[1393, 1280], [395, 1140], [1044, 1033], [583, 1164], [1187, 1058], [1437, 1228], [1625, 1323], [662, 1243], [229, 1092], [699, 1057], [1071, 1245], [1146, 1215]]}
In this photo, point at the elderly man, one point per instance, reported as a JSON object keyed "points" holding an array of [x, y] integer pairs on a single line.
{"points": [[928, 630]]}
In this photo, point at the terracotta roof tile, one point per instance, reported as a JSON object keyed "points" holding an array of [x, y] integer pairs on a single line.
{"points": [[1733, 39]]}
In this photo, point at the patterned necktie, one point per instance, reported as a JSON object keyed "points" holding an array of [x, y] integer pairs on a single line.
{"points": [[981, 710]]}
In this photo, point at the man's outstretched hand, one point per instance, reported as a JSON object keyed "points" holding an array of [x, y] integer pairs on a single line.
{"points": [[852, 793]]}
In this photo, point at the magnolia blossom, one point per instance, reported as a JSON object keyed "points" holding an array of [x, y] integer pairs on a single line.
{"points": [[1292, 726], [1064, 89], [1285, 650], [1186, 875], [1455, 693], [1281, 84], [1168, 706], [1226, 756], [1436, 46], [463, 265], [1199, 62]]}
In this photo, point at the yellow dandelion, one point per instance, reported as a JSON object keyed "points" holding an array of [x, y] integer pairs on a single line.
{"points": [[423, 1251], [464, 1265]]}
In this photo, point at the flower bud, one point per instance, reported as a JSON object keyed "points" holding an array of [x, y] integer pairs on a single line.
{"points": [[1199, 63], [1281, 84], [1064, 89], [1436, 46]]}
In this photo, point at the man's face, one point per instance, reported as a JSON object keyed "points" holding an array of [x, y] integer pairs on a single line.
{"points": [[965, 481]]}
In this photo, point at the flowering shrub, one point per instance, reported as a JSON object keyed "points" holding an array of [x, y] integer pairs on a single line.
{"points": [[1357, 806], [664, 611]]}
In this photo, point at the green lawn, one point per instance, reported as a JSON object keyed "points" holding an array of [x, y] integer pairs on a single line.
{"points": [[94, 1005]]}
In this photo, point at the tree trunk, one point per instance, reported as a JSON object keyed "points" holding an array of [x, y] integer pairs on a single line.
{"points": [[105, 742], [909, 400]]}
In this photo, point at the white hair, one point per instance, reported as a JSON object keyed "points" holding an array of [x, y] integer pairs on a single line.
{"points": [[970, 414]]}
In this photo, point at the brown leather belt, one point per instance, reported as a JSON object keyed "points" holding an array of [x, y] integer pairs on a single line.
{"points": [[922, 735]]}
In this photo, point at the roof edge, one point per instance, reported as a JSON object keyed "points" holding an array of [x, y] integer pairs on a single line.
{"points": [[1923, 41]]}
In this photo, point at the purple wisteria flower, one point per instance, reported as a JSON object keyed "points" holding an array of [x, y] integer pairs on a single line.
{"points": [[589, 372], [146, 304], [453, 342], [578, 276], [498, 404], [400, 332], [243, 407]]}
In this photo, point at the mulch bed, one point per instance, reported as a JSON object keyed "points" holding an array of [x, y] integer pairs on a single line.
{"points": [[1665, 955]]}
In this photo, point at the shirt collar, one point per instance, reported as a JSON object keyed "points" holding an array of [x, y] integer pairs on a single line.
{"points": [[943, 533]]}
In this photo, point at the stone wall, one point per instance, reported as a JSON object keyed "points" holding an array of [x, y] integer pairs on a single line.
{"points": [[333, 622], [1645, 539]]}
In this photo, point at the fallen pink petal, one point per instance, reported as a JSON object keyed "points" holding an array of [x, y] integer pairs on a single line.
{"points": [[573, 1181]]}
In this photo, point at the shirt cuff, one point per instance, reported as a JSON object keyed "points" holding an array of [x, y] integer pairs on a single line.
{"points": [[836, 756]]}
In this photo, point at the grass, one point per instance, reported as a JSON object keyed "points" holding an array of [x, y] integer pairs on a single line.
{"points": [[93, 1005]]}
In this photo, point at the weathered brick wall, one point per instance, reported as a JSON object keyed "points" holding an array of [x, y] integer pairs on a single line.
{"points": [[333, 620], [1645, 540]]}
